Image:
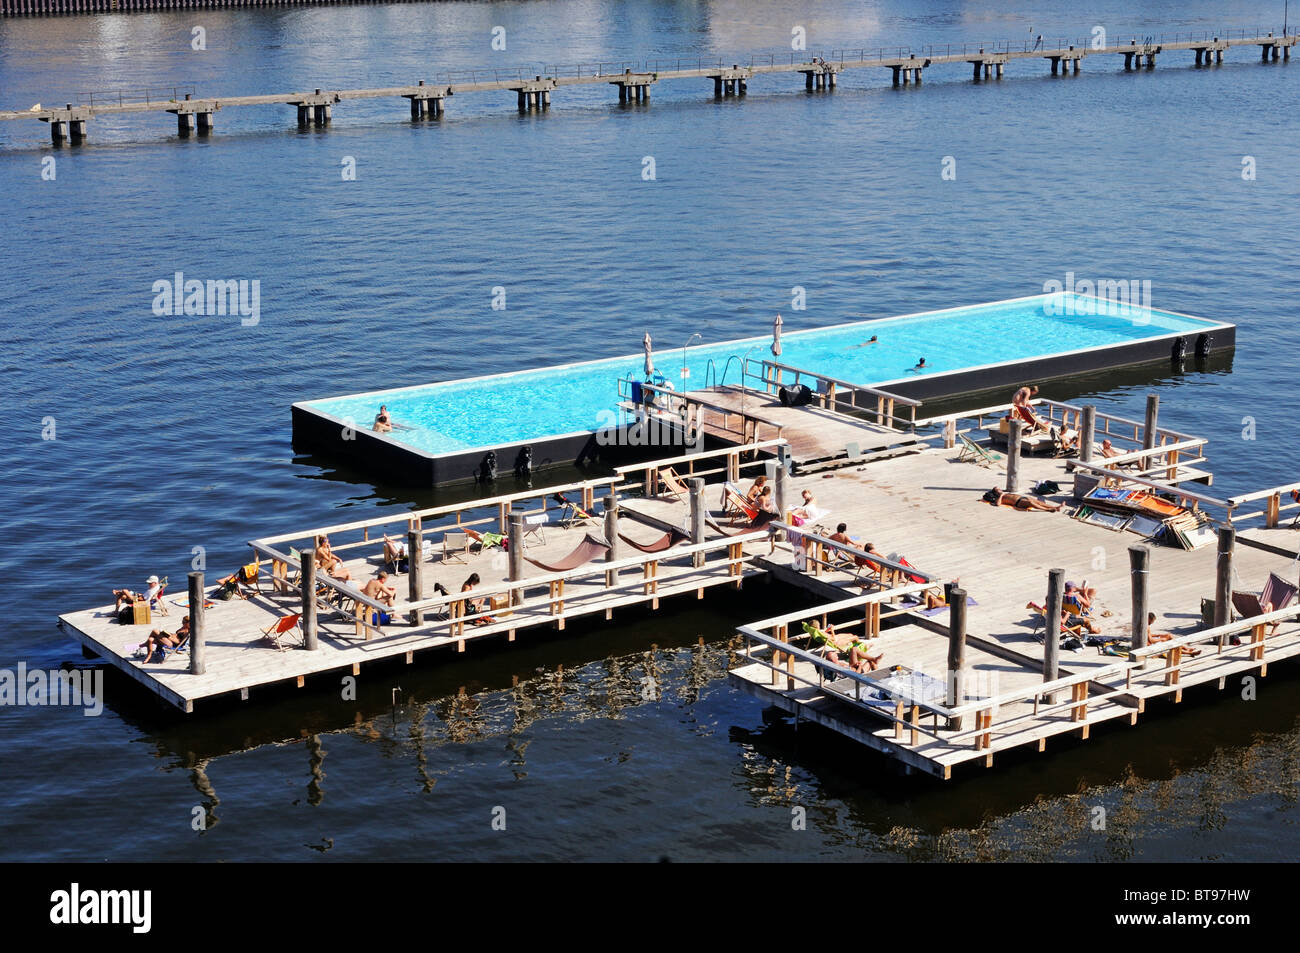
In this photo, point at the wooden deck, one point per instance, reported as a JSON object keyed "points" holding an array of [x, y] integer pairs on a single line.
{"points": [[928, 508], [239, 660], [815, 433], [908, 496]]}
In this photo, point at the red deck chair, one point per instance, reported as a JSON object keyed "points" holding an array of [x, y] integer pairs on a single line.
{"points": [[278, 631]]}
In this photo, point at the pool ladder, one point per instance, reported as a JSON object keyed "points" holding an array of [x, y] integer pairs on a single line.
{"points": [[712, 369]]}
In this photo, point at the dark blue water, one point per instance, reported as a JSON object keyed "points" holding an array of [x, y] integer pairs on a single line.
{"points": [[173, 432]]}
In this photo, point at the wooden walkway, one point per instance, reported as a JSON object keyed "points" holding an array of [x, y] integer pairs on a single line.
{"points": [[533, 85]]}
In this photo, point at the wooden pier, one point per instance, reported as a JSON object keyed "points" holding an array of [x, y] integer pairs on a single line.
{"points": [[532, 87], [966, 681]]}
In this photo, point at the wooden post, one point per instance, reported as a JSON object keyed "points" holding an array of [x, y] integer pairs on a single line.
{"points": [[782, 480], [1052, 638], [516, 539], [611, 537], [697, 518], [415, 571], [956, 650], [1223, 580], [198, 647], [1149, 435], [1013, 457], [1139, 560], [308, 583], [1087, 433]]}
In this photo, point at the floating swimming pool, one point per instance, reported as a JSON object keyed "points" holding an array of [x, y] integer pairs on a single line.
{"points": [[964, 349]]}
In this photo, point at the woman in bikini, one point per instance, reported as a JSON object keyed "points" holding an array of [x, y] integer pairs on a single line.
{"points": [[327, 561], [160, 639]]}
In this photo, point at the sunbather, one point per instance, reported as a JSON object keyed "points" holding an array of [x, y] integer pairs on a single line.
{"points": [[1022, 410], [327, 561], [1072, 622], [1081, 596], [476, 605], [1166, 637], [806, 512], [936, 597], [841, 535], [126, 597], [831, 645], [755, 489], [380, 589], [160, 639], [1108, 449], [1019, 501]]}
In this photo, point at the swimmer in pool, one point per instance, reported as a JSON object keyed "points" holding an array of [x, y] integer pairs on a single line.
{"points": [[920, 366], [383, 423], [874, 340]]}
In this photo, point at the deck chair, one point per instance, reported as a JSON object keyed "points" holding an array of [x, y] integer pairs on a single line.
{"points": [[735, 504], [455, 546], [571, 514], [278, 631], [1277, 592], [486, 541], [673, 483], [158, 604], [972, 451], [534, 526]]}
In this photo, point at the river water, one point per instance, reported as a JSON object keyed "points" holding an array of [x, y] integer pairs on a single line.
{"points": [[173, 431]]}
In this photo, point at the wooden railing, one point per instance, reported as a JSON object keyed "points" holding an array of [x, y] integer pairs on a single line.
{"points": [[690, 410], [1273, 505], [1085, 687], [831, 393]]}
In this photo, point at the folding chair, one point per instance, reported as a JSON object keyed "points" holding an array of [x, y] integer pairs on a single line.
{"points": [[673, 483], [571, 514], [159, 605], [277, 632], [735, 505], [972, 451], [534, 525], [455, 546]]}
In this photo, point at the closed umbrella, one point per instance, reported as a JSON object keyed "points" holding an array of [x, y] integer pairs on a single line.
{"points": [[649, 357], [776, 337]]}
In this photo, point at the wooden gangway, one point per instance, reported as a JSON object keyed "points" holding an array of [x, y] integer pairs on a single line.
{"points": [[533, 85]]}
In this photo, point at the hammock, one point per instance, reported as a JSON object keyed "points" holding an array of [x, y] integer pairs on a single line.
{"points": [[586, 551], [667, 541]]}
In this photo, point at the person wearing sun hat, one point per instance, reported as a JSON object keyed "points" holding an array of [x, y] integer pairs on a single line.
{"points": [[125, 597]]}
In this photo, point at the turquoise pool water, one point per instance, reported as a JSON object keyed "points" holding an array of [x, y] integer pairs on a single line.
{"points": [[531, 404]]}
